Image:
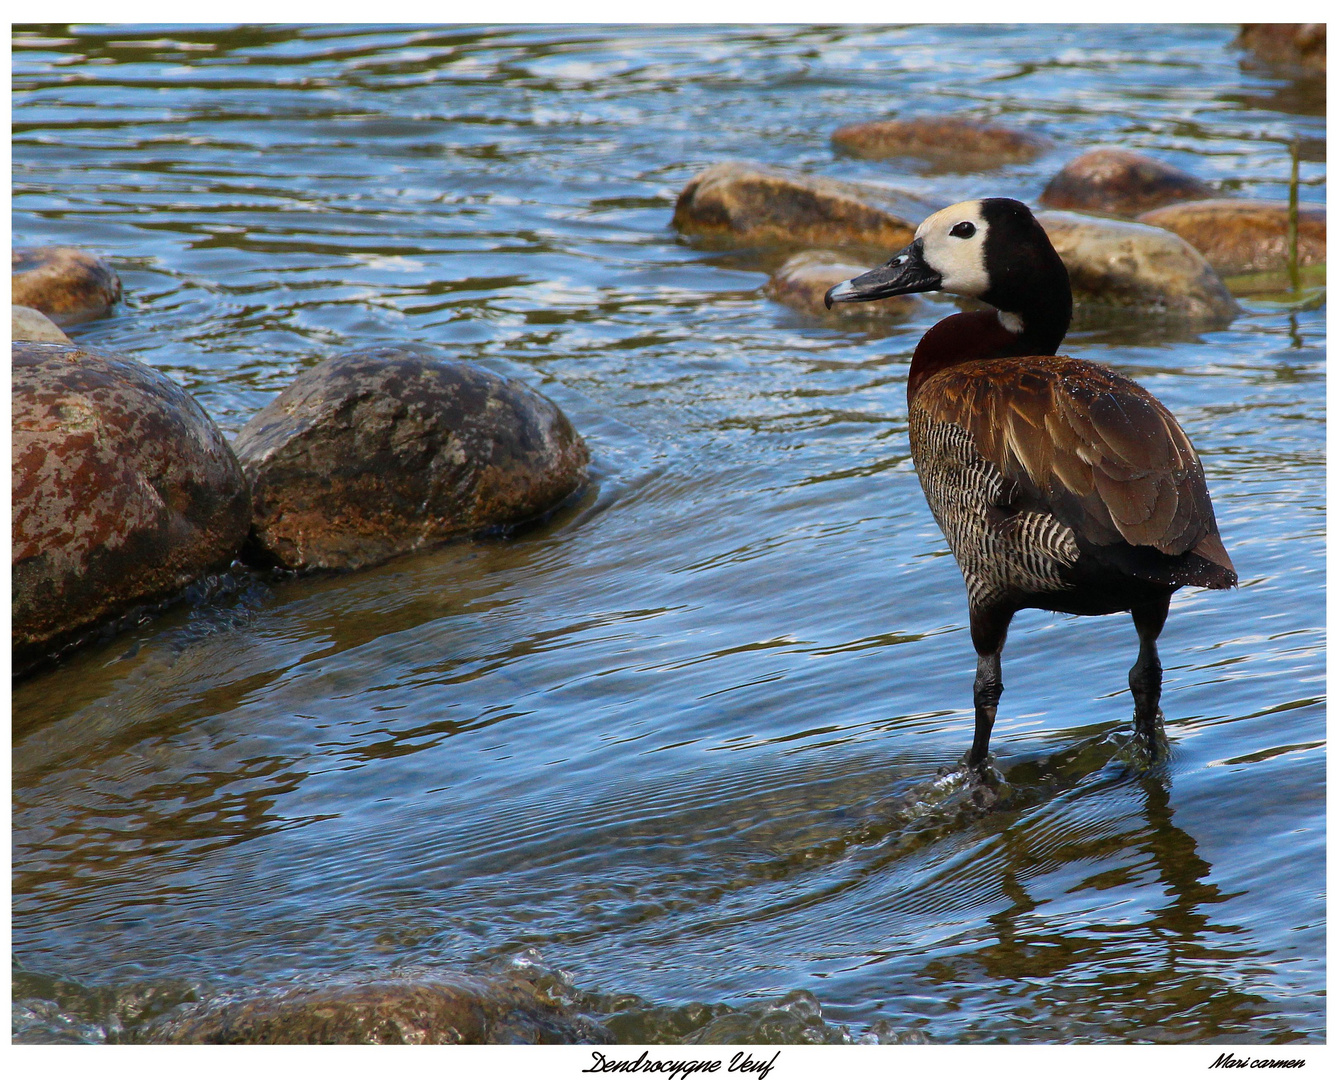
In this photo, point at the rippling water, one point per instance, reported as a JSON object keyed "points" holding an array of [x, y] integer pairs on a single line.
{"points": [[684, 738]]}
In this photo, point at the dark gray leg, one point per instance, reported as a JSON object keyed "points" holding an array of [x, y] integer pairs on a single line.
{"points": [[1145, 675], [989, 629]]}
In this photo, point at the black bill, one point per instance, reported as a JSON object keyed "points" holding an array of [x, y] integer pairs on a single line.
{"points": [[905, 272]]}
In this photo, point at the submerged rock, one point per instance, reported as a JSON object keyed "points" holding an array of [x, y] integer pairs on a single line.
{"points": [[398, 1010], [37, 1022], [1130, 265], [1242, 236], [517, 999], [1121, 182], [794, 1019], [29, 324], [124, 492], [803, 280], [749, 204], [952, 143], [390, 449], [1303, 45], [65, 284], [51, 1009]]}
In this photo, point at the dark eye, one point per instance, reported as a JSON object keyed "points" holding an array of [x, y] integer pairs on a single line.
{"points": [[964, 229]]}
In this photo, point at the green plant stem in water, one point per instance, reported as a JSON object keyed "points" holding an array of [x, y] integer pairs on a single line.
{"points": [[1293, 217]]}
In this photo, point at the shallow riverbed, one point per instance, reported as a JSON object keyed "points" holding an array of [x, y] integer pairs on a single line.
{"points": [[683, 740]]}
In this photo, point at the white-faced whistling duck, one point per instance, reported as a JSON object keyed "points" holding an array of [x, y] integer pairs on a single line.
{"points": [[1058, 483]]}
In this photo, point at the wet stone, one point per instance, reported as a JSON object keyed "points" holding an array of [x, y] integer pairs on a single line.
{"points": [[794, 1019], [1302, 45], [1112, 181], [124, 492], [29, 324], [33, 1021], [387, 450], [48, 1009], [395, 1010], [949, 143], [753, 205], [1125, 264], [803, 280], [1242, 236], [65, 284]]}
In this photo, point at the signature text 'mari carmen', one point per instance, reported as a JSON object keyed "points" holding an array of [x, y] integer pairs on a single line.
{"points": [[681, 1068], [1230, 1061]]}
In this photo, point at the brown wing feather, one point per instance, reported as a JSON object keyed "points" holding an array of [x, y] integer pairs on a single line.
{"points": [[1105, 456]]}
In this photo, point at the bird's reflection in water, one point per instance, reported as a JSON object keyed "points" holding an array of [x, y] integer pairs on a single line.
{"points": [[1158, 974]]}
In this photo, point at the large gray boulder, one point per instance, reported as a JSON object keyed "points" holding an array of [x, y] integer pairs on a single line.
{"points": [[65, 284], [124, 492], [743, 204], [1244, 236], [1109, 180], [1123, 264], [387, 450]]}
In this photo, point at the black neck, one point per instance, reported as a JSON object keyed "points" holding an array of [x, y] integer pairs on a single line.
{"points": [[1044, 326], [1039, 295]]}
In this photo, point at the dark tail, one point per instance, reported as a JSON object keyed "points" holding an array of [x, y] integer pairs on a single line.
{"points": [[1206, 565], [1217, 571]]}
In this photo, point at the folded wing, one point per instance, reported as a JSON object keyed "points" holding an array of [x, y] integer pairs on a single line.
{"points": [[1098, 451]]}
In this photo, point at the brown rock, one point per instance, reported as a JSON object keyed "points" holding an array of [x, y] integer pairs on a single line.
{"points": [[803, 281], [65, 284], [29, 324], [123, 491], [1111, 181], [750, 204], [387, 450], [437, 1010], [1129, 265], [1302, 45], [950, 143], [1242, 236]]}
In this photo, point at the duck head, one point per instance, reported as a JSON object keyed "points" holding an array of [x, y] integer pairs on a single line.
{"points": [[988, 249]]}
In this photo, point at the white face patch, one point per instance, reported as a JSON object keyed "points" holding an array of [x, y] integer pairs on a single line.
{"points": [[959, 259]]}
